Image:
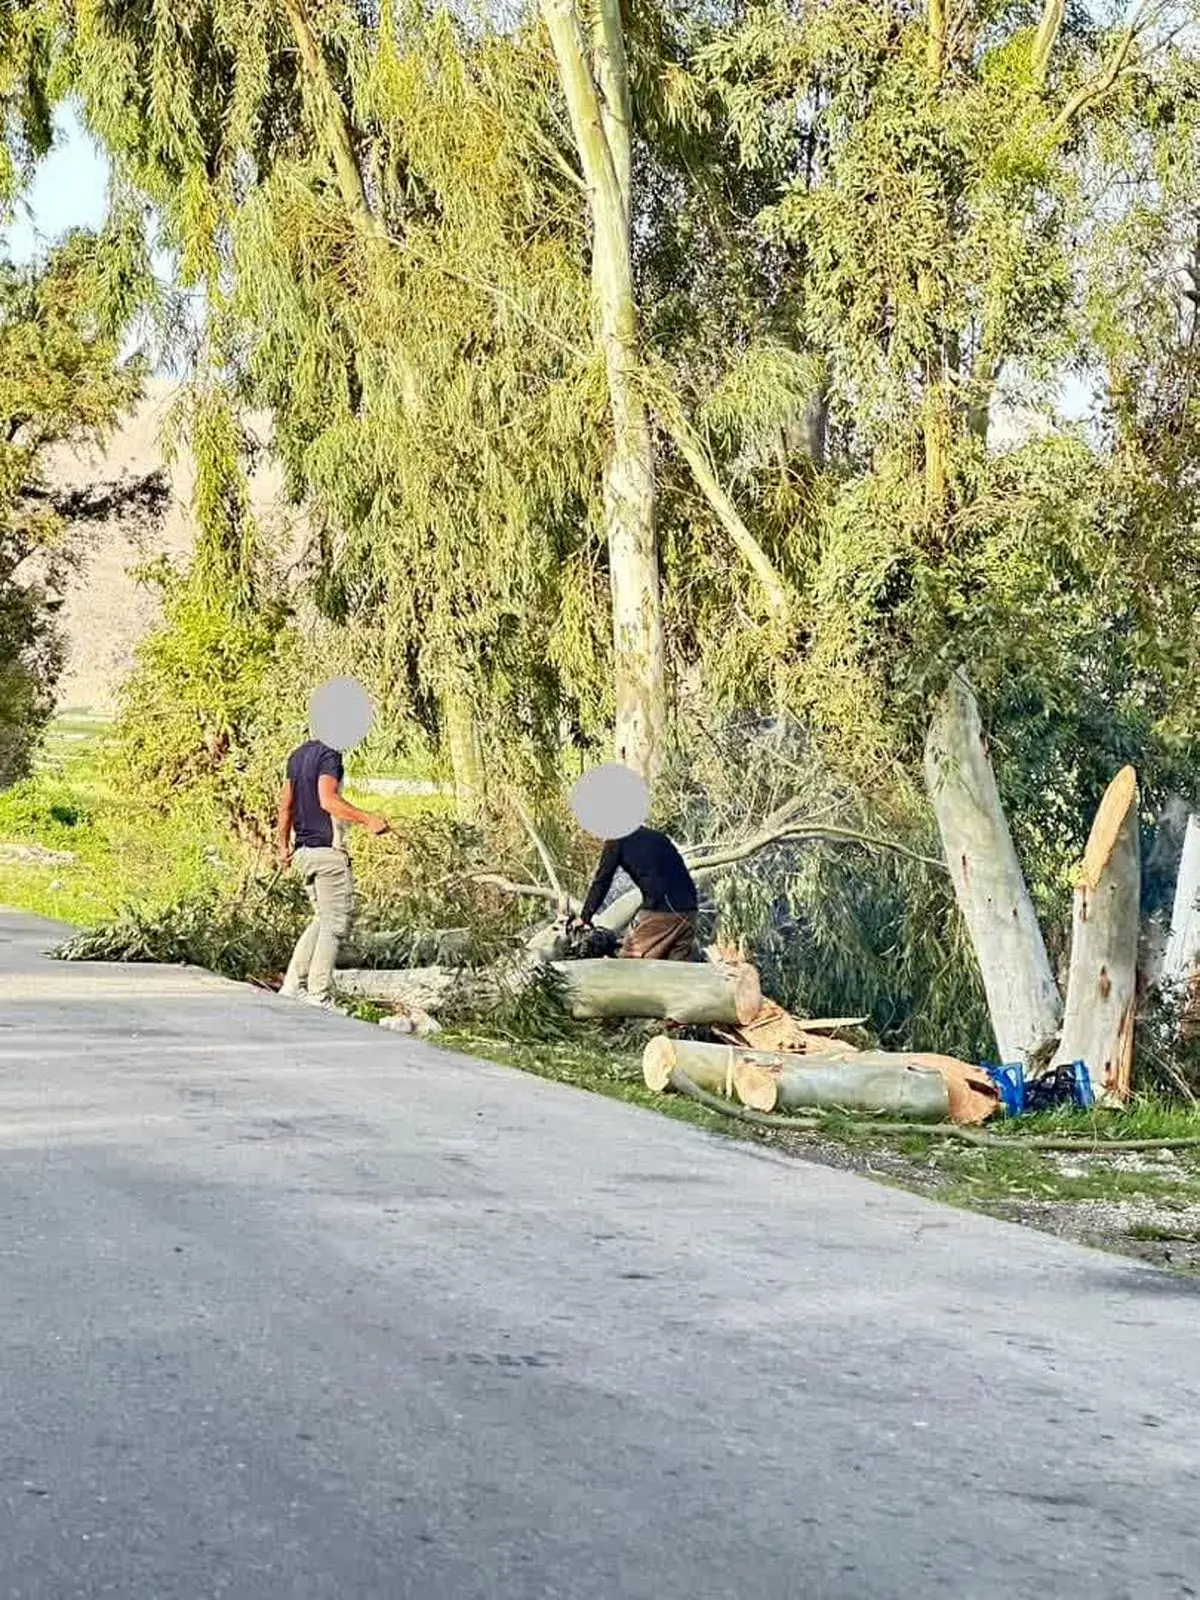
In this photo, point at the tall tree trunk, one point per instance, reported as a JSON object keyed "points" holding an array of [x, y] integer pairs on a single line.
{"points": [[466, 757], [598, 104], [1023, 1000], [1098, 1019], [1183, 946], [1160, 880]]}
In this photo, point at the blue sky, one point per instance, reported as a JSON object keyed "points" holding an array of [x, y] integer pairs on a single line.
{"points": [[69, 191]]}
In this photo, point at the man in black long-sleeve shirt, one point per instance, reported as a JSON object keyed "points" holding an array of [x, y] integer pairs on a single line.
{"points": [[665, 927]]}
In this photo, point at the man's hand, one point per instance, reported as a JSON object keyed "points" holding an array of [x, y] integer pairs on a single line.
{"points": [[283, 857], [378, 826]]}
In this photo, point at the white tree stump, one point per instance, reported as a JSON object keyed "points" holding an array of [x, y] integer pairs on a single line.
{"points": [[1023, 999], [1098, 1019]]}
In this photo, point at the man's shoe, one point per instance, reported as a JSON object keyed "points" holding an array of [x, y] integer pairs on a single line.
{"points": [[291, 991], [321, 1003]]}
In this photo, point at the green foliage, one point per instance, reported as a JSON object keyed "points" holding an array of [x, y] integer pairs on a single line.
{"points": [[62, 382], [853, 247], [249, 935], [201, 709]]}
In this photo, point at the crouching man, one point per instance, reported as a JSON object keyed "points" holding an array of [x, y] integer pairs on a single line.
{"points": [[312, 825], [665, 928]]}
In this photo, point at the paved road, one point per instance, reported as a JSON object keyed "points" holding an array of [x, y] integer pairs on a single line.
{"points": [[290, 1307]]}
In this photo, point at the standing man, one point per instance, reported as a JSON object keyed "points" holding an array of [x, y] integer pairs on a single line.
{"points": [[665, 928], [313, 819]]}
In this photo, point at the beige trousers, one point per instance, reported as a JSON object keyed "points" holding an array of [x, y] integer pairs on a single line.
{"points": [[329, 883]]}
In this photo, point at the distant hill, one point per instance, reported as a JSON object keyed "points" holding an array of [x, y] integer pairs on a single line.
{"points": [[107, 612]]}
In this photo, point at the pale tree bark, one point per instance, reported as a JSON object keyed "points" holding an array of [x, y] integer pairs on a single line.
{"points": [[1182, 953], [1160, 882], [937, 24], [1098, 1018], [1044, 40], [873, 1082], [694, 993], [597, 96], [1023, 1000], [333, 124]]}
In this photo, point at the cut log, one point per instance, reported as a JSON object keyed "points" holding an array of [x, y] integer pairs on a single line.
{"points": [[428, 989], [1102, 978], [1183, 946], [709, 1066], [872, 1082], [1023, 999], [695, 993]]}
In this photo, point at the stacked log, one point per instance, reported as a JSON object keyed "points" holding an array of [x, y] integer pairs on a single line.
{"points": [[872, 1081]]}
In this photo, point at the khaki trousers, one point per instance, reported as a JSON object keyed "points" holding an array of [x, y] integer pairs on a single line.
{"points": [[329, 883], [661, 936]]}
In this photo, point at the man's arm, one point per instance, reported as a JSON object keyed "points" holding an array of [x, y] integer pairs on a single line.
{"points": [[329, 794], [605, 873], [283, 825]]}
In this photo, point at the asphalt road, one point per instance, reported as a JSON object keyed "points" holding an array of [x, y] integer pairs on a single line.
{"points": [[292, 1307]]}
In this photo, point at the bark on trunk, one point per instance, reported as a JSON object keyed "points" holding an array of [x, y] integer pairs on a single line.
{"points": [[1161, 878], [597, 99], [697, 993], [1023, 1000], [709, 1066], [1102, 981], [871, 1082], [1183, 946], [763, 1079], [430, 989], [466, 758]]}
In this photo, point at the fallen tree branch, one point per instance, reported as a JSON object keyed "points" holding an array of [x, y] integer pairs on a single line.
{"points": [[791, 833], [539, 844], [529, 891], [937, 1130], [779, 830]]}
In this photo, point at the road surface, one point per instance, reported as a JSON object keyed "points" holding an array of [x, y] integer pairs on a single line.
{"points": [[291, 1307]]}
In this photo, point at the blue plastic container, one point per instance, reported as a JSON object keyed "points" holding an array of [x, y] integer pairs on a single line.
{"points": [[1010, 1080], [1084, 1095]]}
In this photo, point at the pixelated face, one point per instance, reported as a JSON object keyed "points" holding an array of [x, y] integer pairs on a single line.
{"points": [[610, 801], [340, 713]]}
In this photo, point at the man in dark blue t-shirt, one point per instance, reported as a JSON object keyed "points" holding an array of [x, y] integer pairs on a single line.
{"points": [[312, 823]]}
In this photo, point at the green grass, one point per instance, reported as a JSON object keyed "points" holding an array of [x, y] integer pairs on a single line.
{"points": [[126, 851]]}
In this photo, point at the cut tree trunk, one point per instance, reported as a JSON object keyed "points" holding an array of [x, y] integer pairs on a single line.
{"points": [[1098, 1018], [1161, 879], [1023, 1000], [873, 1082], [693, 993], [1183, 945], [709, 1066], [429, 989]]}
